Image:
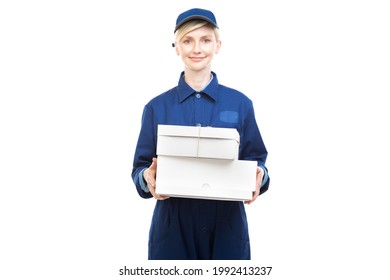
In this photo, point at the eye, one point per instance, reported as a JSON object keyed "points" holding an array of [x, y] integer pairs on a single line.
{"points": [[186, 41]]}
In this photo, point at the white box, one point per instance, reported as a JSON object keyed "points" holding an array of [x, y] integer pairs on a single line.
{"points": [[196, 141], [206, 178]]}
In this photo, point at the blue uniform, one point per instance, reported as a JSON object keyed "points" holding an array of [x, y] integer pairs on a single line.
{"points": [[190, 229]]}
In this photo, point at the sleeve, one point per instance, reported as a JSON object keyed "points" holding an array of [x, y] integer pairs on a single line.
{"points": [[265, 182], [251, 143], [144, 152]]}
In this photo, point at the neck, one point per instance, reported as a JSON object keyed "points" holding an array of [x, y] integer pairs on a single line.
{"points": [[197, 80]]}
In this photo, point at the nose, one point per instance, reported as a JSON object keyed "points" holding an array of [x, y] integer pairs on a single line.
{"points": [[197, 47]]}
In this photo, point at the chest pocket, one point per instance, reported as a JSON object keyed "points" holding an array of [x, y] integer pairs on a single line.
{"points": [[230, 117]]}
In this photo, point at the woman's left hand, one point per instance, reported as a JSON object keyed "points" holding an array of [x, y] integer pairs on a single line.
{"points": [[259, 179]]}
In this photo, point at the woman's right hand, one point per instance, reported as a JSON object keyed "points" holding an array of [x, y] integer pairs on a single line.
{"points": [[150, 178]]}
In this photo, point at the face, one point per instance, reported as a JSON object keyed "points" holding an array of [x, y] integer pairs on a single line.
{"points": [[197, 49]]}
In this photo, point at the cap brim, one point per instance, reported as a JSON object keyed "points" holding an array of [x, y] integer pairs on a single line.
{"points": [[192, 18]]}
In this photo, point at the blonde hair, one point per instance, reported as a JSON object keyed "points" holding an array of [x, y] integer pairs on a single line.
{"points": [[192, 25]]}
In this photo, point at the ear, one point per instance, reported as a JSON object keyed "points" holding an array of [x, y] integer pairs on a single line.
{"points": [[177, 49], [219, 43]]}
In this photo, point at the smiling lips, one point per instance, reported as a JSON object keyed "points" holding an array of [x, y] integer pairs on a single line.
{"points": [[196, 58]]}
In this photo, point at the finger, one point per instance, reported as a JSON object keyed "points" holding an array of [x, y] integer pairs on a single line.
{"points": [[157, 196], [152, 189], [258, 182], [259, 175], [255, 195], [162, 197], [149, 176], [151, 181], [153, 166]]}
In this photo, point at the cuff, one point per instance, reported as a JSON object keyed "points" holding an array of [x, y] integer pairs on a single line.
{"points": [[265, 177], [142, 182]]}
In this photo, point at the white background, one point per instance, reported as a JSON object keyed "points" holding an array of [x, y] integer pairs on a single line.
{"points": [[75, 75]]}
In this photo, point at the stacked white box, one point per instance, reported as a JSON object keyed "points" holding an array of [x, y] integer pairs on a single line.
{"points": [[197, 141], [202, 162]]}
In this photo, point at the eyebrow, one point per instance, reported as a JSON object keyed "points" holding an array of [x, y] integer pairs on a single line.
{"points": [[190, 37]]}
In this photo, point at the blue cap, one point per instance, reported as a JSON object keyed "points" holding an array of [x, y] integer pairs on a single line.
{"points": [[195, 14]]}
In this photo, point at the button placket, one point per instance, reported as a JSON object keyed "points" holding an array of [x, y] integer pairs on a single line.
{"points": [[198, 109]]}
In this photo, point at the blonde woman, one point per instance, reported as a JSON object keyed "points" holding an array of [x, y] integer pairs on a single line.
{"points": [[198, 229]]}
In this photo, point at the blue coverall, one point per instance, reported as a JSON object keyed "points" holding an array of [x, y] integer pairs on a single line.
{"points": [[190, 229]]}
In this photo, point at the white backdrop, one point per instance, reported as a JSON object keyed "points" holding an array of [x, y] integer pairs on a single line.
{"points": [[75, 76]]}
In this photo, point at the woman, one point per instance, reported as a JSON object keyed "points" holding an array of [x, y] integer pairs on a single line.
{"points": [[184, 228]]}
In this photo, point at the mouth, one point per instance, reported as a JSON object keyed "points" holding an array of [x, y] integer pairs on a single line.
{"points": [[196, 59]]}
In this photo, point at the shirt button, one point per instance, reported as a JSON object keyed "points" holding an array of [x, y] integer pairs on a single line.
{"points": [[198, 95], [205, 229]]}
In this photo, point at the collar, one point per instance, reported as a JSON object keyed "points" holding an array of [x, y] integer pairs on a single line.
{"points": [[184, 90]]}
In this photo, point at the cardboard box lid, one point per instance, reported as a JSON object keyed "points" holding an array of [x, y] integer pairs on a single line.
{"points": [[199, 132]]}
